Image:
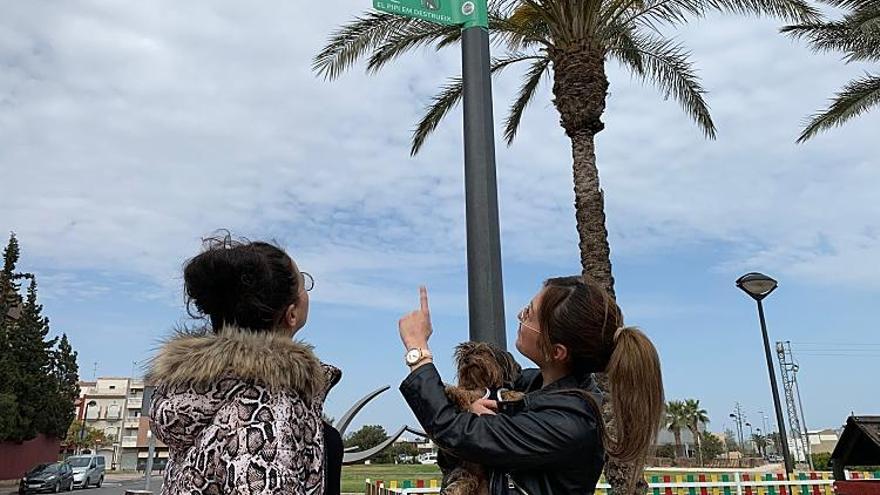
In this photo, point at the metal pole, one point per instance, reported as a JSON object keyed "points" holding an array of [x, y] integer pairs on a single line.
{"points": [[151, 441], [783, 438], [485, 291], [797, 387], [82, 427], [151, 451]]}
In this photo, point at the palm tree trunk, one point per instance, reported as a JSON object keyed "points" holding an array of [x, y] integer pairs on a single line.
{"points": [[589, 203], [678, 445], [580, 87], [579, 90], [695, 429]]}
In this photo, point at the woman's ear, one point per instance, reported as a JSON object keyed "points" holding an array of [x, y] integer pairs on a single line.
{"points": [[560, 353], [290, 318]]}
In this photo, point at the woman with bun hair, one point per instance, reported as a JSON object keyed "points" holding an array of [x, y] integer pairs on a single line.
{"points": [[239, 402]]}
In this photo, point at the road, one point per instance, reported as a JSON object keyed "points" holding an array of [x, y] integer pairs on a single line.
{"points": [[111, 487]]}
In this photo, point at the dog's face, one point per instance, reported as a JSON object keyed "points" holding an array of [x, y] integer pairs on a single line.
{"points": [[482, 365]]}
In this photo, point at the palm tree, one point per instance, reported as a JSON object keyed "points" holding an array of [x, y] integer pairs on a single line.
{"points": [[676, 421], [696, 416], [760, 443], [569, 42], [857, 34]]}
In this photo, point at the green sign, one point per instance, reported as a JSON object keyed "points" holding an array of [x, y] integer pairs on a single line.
{"points": [[465, 13]]}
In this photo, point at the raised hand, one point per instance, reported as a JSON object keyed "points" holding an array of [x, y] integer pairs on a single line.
{"points": [[415, 327]]}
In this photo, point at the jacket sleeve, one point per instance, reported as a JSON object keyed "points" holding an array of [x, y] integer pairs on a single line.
{"points": [[542, 434], [271, 447]]}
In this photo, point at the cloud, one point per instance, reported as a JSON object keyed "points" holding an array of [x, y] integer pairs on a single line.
{"points": [[131, 131]]}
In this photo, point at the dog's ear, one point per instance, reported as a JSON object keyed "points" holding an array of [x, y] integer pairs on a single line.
{"points": [[461, 351], [510, 368]]}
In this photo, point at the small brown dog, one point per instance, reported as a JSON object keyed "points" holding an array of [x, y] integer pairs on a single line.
{"points": [[483, 369]]}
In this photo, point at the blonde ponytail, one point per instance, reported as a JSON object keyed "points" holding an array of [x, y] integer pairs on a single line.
{"points": [[637, 399]]}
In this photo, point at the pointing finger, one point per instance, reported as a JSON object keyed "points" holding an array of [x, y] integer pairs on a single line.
{"points": [[423, 299]]}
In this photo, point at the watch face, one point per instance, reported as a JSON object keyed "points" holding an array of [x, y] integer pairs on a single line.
{"points": [[413, 355]]}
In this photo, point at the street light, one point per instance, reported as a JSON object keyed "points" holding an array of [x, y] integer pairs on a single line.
{"points": [[82, 428], [758, 286], [751, 434]]}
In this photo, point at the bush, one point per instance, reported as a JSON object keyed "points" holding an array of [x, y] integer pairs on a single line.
{"points": [[822, 461]]}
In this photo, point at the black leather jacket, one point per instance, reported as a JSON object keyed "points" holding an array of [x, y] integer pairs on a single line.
{"points": [[549, 444]]}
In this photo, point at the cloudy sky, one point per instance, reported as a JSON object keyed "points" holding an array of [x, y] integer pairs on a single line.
{"points": [[129, 130]]}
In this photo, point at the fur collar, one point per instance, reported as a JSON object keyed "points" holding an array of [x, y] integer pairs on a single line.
{"points": [[202, 357]]}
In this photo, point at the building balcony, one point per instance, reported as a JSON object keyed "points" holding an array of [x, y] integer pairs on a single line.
{"points": [[136, 403], [132, 423], [129, 442]]}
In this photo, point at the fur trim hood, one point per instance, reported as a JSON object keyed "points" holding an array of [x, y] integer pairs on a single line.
{"points": [[269, 358]]}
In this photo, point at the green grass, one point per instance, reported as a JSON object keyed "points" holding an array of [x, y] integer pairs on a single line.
{"points": [[353, 476]]}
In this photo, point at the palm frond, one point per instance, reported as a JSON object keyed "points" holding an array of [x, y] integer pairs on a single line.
{"points": [[444, 101], [666, 12], [786, 10], [354, 40], [839, 36], [410, 37], [854, 99], [664, 64], [449, 96], [526, 93]]}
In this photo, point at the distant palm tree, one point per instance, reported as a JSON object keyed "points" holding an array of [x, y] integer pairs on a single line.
{"points": [[857, 34], [676, 421], [696, 416], [760, 443]]}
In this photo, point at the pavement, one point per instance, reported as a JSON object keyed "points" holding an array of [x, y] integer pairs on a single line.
{"points": [[114, 484]]}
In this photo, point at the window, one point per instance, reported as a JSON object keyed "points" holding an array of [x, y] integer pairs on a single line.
{"points": [[101, 461], [112, 387], [113, 412]]}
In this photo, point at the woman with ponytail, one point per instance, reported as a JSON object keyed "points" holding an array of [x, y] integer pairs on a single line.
{"points": [[554, 440]]}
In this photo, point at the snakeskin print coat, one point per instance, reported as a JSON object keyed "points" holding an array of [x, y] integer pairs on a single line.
{"points": [[241, 413]]}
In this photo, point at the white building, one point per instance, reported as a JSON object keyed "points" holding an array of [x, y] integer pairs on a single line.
{"points": [[113, 405]]}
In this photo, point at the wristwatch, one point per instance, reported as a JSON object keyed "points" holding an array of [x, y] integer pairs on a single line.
{"points": [[416, 355]]}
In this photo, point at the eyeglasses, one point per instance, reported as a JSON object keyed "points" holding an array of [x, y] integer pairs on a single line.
{"points": [[522, 316], [308, 281]]}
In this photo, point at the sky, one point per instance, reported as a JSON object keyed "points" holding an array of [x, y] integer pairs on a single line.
{"points": [[131, 130]]}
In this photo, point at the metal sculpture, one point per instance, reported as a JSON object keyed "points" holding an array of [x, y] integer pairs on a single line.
{"points": [[353, 456]]}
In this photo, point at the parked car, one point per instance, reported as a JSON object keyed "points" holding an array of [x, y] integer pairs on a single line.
{"points": [[87, 470], [47, 477], [430, 458]]}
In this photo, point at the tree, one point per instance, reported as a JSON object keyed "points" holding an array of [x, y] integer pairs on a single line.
{"points": [[696, 416], [666, 451], [366, 438], [857, 35], [38, 382], [760, 442], [407, 449], [570, 42], [10, 306], [67, 377], [711, 446], [773, 440], [730, 439], [676, 420], [35, 390], [80, 437]]}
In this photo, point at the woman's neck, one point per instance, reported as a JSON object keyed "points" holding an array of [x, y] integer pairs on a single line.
{"points": [[553, 373]]}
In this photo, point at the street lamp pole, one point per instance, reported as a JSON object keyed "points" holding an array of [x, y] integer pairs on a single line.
{"points": [[758, 286], [82, 428], [485, 290]]}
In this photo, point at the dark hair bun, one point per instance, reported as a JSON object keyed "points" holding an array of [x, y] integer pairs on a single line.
{"points": [[241, 283]]}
